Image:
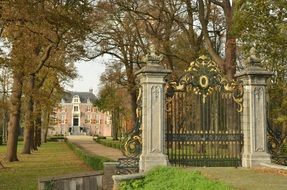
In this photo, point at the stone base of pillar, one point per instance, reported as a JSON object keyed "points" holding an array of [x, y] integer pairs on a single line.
{"points": [[255, 159], [149, 161]]}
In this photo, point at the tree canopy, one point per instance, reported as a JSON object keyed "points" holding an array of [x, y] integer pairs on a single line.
{"points": [[44, 38]]}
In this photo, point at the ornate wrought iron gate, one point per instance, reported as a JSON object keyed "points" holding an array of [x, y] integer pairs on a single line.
{"points": [[203, 118]]}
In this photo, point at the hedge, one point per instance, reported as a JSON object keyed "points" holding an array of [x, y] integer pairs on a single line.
{"points": [[56, 138], [94, 161], [109, 143]]}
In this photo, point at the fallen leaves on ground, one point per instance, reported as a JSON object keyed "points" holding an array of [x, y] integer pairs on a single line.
{"points": [[280, 172]]}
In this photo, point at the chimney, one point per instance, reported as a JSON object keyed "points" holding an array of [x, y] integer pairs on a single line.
{"points": [[91, 90]]}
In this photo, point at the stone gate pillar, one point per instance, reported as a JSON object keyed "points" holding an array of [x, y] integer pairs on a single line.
{"points": [[254, 117], [153, 104]]}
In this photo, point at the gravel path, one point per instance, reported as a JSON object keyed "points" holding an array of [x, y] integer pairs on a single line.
{"points": [[87, 143]]}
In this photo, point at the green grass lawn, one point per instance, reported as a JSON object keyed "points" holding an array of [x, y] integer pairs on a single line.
{"points": [[52, 159], [171, 178]]}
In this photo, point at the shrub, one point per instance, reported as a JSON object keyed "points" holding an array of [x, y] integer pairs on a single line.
{"points": [[109, 143], [99, 137], [132, 184], [170, 178], [94, 161], [56, 138]]}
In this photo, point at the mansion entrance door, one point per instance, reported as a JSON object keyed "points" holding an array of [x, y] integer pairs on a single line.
{"points": [[76, 121]]}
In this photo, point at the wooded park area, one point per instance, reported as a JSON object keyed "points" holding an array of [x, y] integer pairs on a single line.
{"points": [[40, 40]]}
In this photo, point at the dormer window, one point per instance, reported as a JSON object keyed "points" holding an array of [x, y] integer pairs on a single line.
{"points": [[76, 99]]}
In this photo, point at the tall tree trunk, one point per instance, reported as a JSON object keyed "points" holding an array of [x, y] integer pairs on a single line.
{"points": [[133, 95], [29, 123], [230, 44], [230, 59], [203, 11], [5, 111], [27, 142], [37, 139], [32, 136], [14, 120], [115, 124], [228, 65], [43, 131], [45, 125]]}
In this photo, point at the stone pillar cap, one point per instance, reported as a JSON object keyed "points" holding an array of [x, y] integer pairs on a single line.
{"points": [[254, 70], [153, 69], [152, 61]]}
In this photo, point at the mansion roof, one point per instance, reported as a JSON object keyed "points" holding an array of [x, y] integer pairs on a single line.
{"points": [[85, 97]]}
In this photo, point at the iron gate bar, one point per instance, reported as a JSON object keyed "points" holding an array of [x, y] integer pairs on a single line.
{"points": [[199, 137], [203, 122]]}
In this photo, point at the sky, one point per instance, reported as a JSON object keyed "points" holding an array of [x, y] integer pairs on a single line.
{"points": [[89, 76], [89, 73]]}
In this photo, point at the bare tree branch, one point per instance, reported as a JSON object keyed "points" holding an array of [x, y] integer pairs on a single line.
{"points": [[43, 59], [217, 3], [207, 40]]}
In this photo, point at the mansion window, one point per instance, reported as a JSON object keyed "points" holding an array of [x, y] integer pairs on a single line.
{"points": [[108, 120], [97, 118], [88, 119], [55, 121], [76, 99], [76, 108], [63, 108], [63, 118], [89, 108]]}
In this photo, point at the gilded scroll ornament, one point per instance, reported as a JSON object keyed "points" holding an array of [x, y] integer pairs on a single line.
{"points": [[138, 110], [203, 77], [203, 81], [132, 143]]}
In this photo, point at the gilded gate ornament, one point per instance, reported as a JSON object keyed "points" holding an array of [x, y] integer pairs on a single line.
{"points": [[132, 143], [203, 77], [203, 117], [275, 144]]}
